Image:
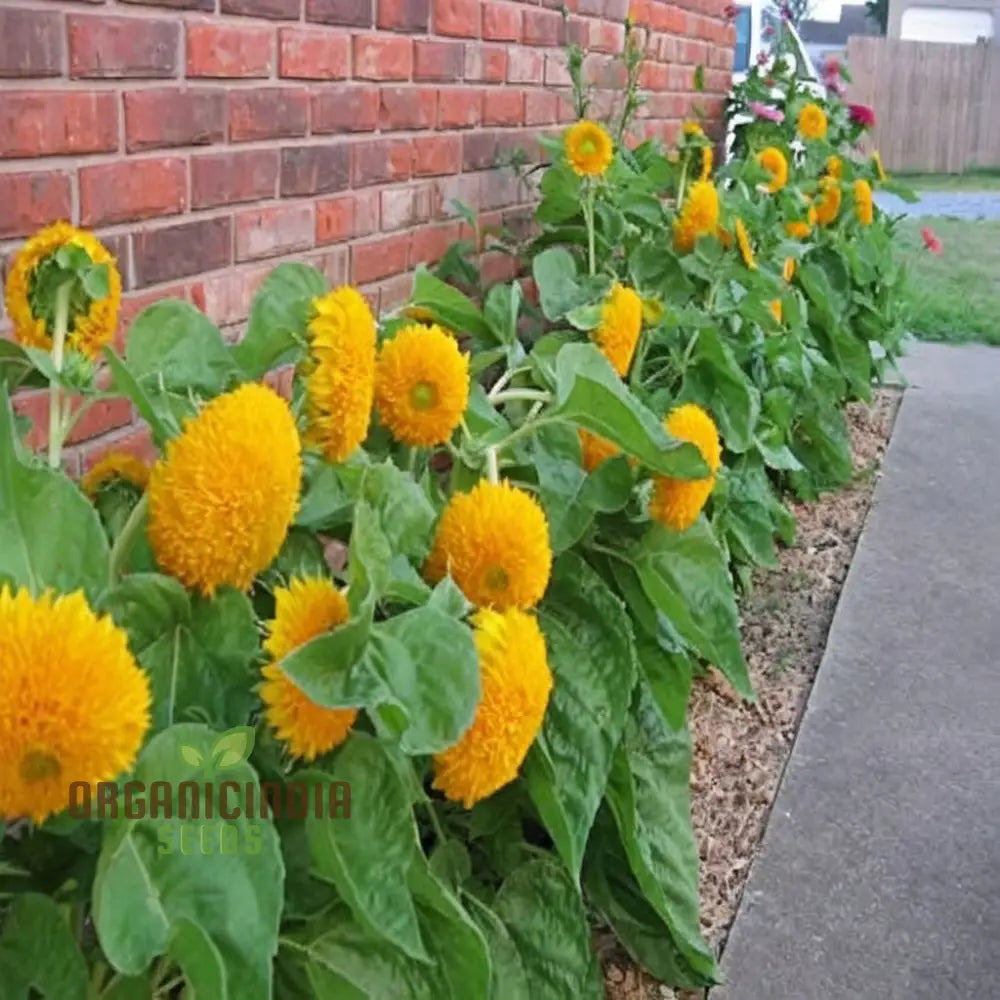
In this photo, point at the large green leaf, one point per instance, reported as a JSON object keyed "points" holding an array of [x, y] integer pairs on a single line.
{"points": [[207, 892], [562, 484], [450, 307], [163, 423], [543, 912], [592, 656], [368, 856], [685, 576], [278, 318], [39, 956], [590, 394], [509, 981], [669, 675], [16, 366], [648, 794], [51, 536]]}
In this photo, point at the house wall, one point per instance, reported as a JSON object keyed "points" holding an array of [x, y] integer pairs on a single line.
{"points": [[207, 140]]}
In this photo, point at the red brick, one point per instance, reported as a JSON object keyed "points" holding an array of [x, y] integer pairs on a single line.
{"points": [[540, 107], [159, 118], [136, 442], [502, 22], [314, 55], [486, 62], [556, 72], [334, 219], [367, 213], [309, 170], [381, 57], [406, 107], [226, 298], [268, 113], [503, 106], [31, 200], [227, 178], [380, 160], [207, 5], [379, 258], [479, 150], [270, 232], [438, 60], [459, 107], [50, 123], [229, 51], [177, 251], [287, 10], [404, 15], [525, 66], [345, 109], [429, 244], [31, 43], [353, 13], [457, 17], [438, 154], [111, 47], [542, 27], [499, 189], [400, 209], [129, 190]]}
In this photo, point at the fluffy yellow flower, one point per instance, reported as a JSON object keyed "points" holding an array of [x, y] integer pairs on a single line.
{"points": [[879, 167], [829, 202], [707, 161], [91, 326], [678, 502], [692, 129], [775, 307], [812, 122], [73, 704], [421, 385], [223, 496], [340, 381], [798, 229], [307, 608], [589, 148], [773, 160], [494, 540], [743, 241], [788, 270], [596, 450], [115, 465], [699, 216], [516, 683], [834, 166], [621, 323], [863, 205]]}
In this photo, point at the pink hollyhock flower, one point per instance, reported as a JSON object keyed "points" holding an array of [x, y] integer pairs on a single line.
{"points": [[931, 241], [831, 67], [861, 114], [767, 111]]}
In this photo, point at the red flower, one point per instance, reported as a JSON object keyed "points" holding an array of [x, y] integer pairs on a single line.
{"points": [[861, 115], [931, 241], [731, 12]]}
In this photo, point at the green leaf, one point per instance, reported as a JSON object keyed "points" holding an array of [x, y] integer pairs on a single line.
{"points": [[562, 481], [175, 347], [369, 855], [685, 576], [592, 657], [325, 501], [207, 892], [162, 423], [39, 955], [699, 77], [509, 981], [554, 272], [502, 311], [543, 913], [450, 307], [279, 316], [406, 515], [560, 190], [370, 552], [15, 366], [669, 676], [659, 273], [52, 537], [590, 394], [648, 794]]}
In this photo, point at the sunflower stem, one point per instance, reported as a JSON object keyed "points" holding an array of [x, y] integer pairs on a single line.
{"points": [[492, 465], [57, 430], [126, 539], [682, 182], [588, 214], [435, 822], [534, 395]]}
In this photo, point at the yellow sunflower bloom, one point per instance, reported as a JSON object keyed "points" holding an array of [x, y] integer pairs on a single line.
{"points": [[863, 205], [621, 323], [115, 465], [589, 149], [516, 683], [678, 502], [775, 306], [699, 216], [743, 241], [812, 122], [307, 608], [223, 496], [340, 380], [834, 167], [596, 450], [74, 706], [788, 270], [692, 129], [829, 202], [773, 160], [707, 162], [421, 385], [798, 229], [93, 324], [879, 166], [494, 540]]}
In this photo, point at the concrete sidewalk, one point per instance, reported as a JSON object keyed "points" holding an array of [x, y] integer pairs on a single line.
{"points": [[879, 874]]}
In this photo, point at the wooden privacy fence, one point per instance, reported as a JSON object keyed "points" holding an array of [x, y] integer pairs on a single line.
{"points": [[937, 104]]}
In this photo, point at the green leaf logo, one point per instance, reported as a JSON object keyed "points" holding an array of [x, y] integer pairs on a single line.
{"points": [[233, 747], [192, 756]]}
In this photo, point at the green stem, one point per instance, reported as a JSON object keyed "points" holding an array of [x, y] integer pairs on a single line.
{"points": [[682, 183], [523, 431], [57, 430], [535, 395], [125, 540], [492, 465], [635, 375], [692, 343], [435, 822], [588, 214]]}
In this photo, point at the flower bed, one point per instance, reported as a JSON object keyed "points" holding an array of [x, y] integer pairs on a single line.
{"points": [[472, 736]]}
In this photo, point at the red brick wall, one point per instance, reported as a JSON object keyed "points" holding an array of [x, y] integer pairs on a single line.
{"points": [[205, 140]]}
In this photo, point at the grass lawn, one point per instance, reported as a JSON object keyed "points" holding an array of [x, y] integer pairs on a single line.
{"points": [[954, 297], [974, 180]]}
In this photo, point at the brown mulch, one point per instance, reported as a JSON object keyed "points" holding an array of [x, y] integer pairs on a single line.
{"points": [[740, 750]]}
